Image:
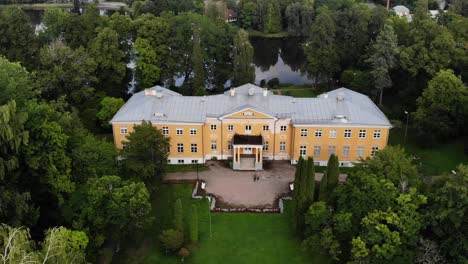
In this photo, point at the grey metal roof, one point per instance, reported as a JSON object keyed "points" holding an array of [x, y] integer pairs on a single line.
{"points": [[169, 106]]}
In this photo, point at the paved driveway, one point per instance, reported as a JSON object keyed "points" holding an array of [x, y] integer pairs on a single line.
{"points": [[237, 188]]}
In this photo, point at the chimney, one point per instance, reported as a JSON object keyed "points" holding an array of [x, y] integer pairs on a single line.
{"points": [[251, 91], [265, 92], [150, 92], [233, 91], [340, 96], [325, 95]]}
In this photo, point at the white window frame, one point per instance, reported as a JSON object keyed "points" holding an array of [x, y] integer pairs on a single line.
{"points": [[229, 145], [317, 151], [362, 133], [374, 151], [193, 131], [181, 161], [180, 147], [265, 146], [346, 150], [213, 127], [165, 130], [331, 150], [214, 145], [266, 128], [283, 128], [304, 132], [194, 146], [377, 134], [230, 127], [303, 151], [124, 130], [248, 127], [179, 131], [318, 133], [333, 133], [194, 161], [347, 133], [360, 152], [282, 146]]}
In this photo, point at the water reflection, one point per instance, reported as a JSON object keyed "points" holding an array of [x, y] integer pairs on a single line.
{"points": [[280, 58]]}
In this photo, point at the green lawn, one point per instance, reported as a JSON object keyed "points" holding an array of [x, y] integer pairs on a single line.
{"points": [[235, 238], [432, 160], [297, 90]]}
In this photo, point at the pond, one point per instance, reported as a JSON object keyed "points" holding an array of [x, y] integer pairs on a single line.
{"points": [[281, 58]]}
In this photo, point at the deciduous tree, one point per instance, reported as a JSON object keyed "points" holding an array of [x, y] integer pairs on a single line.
{"points": [[244, 70]]}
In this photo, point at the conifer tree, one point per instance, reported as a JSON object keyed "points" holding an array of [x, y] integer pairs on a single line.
{"points": [[193, 231], [178, 216], [310, 182], [299, 197], [323, 188], [333, 172]]}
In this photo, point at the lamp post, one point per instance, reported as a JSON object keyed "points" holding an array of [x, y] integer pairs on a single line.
{"points": [[406, 127], [198, 177]]}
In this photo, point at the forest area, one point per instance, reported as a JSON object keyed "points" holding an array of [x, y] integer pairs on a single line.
{"points": [[63, 184]]}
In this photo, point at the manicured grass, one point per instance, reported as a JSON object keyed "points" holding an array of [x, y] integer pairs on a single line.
{"points": [[256, 33], [297, 90], [235, 238], [186, 168], [432, 160]]}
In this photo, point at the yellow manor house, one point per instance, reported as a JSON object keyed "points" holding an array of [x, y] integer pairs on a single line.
{"points": [[249, 124]]}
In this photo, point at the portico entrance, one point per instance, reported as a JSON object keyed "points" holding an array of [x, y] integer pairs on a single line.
{"points": [[247, 152]]}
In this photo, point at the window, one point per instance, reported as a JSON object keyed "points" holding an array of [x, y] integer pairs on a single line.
{"points": [[303, 150], [282, 146], [180, 161], [266, 128], [347, 133], [214, 145], [332, 133], [331, 150], [317, 151], [180, 148], [229, 145], [248, 127], [165, 131], [304, 132], [179, 131], [265, 146], [194, 161], [346, 152], [362, 133], [193, 131], [123, 130], [377, 134], [230, 128], [374, 151], [213, 127], [194, 148], [360, 152], [318, 133], [283, 128], [168, 149]]}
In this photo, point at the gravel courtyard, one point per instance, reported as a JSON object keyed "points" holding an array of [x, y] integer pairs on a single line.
{"points": [[237, 188]]}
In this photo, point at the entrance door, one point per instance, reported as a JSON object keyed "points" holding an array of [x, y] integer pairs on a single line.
{"points": [[247, 151]]}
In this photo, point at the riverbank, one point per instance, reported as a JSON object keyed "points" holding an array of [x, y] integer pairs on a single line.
{"points": [[101, 5]]}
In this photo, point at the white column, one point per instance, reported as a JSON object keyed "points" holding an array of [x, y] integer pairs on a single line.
{"points": [[261, 154]]}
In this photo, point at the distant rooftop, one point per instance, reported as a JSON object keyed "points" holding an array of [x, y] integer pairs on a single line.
{"points": [[338, 107]]}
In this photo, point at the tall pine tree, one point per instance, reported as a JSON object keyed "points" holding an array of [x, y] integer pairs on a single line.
{"points": [[310, 182], [272, 23], [299, 195], [383, 58], [193, 225]]}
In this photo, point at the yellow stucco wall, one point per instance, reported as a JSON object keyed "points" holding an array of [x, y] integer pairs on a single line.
{"points": [[206, 134]]}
